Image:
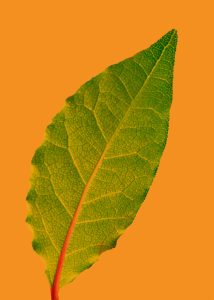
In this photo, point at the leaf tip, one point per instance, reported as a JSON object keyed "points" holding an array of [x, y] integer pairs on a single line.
{"points": [[169, 38], [174, 37], [173, 31]]}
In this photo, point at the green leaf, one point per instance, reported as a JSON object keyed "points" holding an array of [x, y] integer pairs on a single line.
{"points": [[100, 155]]}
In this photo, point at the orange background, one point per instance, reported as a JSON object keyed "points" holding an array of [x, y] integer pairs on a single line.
{"points": [[48, 50]]}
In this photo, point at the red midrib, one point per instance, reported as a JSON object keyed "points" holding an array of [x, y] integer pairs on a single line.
{"points": [[56, 284]]}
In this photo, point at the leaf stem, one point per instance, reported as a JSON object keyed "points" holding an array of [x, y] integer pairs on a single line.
{"points": [[54, 293]]}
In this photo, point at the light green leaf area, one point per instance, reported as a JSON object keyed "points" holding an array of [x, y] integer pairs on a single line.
{"points": [[104, 147]]}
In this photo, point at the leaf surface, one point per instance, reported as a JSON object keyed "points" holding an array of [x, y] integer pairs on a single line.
{"points": [[98, 160]]}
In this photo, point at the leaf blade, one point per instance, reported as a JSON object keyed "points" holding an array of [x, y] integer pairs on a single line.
{"points": [[99, 159]]}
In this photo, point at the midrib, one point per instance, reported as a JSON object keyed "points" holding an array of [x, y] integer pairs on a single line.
{"points": [[55, 287]]}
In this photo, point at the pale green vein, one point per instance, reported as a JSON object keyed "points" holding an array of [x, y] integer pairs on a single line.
{"points": [[122, 84], [141, 66], [102, 196], [103, 219], [57, 196], [86, 248], [151, 109], [162, 79], [43, 222], [72, 158], [100, 128], [106, 197]]}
